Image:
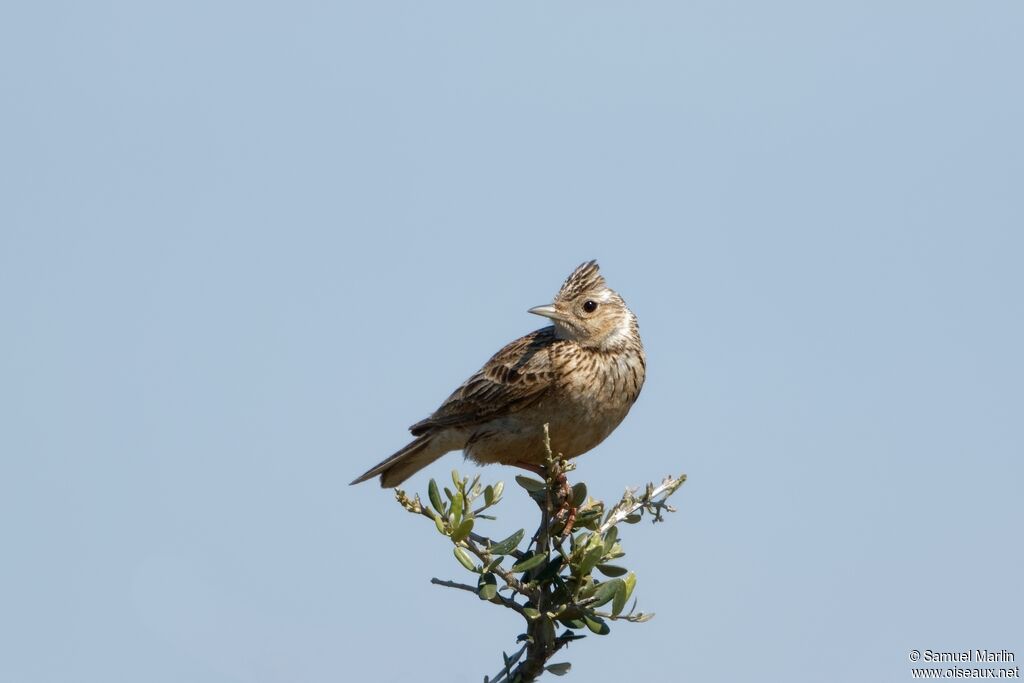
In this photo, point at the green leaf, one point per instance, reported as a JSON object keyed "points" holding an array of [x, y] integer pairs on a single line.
{"points": [[547, 632], [489, 495], [439, 523], [606, 591], [457, 502], [610, 537], [584, 544], [531, 485], [579, 494], [632, 519], [456, 479], [530, 562], [590, 559], [611, 570], [464, 558], [597, 625], [619, 601], [435, 496], [573, 623], [559, 669], [508, 545], [630, 582], [498, 488], [462, 531], [487, 586], [532, 612]]}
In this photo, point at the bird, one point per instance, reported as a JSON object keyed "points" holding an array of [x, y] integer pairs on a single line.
{"points": [[579, 376]]}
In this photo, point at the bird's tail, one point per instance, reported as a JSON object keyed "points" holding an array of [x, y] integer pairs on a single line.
{"points": [[406, 462]]}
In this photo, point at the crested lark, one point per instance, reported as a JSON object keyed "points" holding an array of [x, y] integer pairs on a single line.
{"points": [[579, 376]]}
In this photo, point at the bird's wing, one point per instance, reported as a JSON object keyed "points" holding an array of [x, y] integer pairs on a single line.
{"points": [[514, 378]]}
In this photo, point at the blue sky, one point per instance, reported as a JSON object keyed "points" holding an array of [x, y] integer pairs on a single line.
{"points": [[244, 245]]}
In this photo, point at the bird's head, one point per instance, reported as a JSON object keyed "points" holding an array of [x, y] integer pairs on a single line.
{"points": [[589, 313]]}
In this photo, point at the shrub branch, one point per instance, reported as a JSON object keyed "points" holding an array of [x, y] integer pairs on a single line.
{"points": [[563, 575]]}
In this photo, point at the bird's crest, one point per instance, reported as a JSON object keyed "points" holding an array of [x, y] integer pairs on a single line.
{"points": [[584, 279]]}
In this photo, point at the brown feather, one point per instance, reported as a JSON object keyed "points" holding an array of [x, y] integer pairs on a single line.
{"points": [[514, 378]]}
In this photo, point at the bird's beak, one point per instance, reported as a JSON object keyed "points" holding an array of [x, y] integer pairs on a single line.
{"points": [[548, 311]]}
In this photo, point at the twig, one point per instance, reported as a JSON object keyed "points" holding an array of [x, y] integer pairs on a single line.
{"points": [[630, 504], [506, 576], [497, 599]]}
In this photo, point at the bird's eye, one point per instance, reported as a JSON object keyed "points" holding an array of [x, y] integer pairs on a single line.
{"points": [[589, 305]]}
